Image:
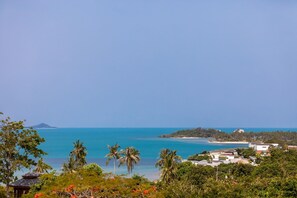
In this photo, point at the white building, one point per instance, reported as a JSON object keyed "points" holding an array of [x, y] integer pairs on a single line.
{"points": [[223, 155], [238, 131], [262, 148]]}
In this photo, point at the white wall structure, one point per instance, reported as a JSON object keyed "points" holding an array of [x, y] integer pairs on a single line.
{"points": [[262, 147]]}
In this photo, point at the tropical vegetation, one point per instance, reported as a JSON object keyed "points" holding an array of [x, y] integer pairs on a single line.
{"points": [[199, 157], [77, 157], [167, 164], [284, 138], [18, 149], [87, 184], [42, 167], [274, 176], [130, 157], [113, 154]]}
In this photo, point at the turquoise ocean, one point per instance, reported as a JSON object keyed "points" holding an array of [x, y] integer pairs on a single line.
{"points": [[59, 142]]}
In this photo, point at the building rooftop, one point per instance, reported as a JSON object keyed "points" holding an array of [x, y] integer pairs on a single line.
{"points": [[28, 180]]}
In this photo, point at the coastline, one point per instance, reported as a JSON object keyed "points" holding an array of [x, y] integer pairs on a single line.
{"points": [[58, 146], [228, 142], [210, 141], [189, 138]]}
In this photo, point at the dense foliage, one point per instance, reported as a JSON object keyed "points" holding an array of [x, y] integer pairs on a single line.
{"points": [[276, 176], [281, 137], [198, 132], [18, 149], [2, 191], [246, 152], [129, 157], [199, 157], [114, 154], [93, 167], [89, 184], [167, 163], [42, 167], [77, 157]]}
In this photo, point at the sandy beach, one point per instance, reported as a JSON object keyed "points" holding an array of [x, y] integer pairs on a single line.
{"points": [[228, 142]]}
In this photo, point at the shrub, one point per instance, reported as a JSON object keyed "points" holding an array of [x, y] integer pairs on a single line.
{"points": [[93, 167], [84, 183], [199, 157], [2, 191]]}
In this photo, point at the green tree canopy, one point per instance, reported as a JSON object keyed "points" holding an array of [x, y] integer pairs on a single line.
{"points": [[167, 163], [93, 167], [42, 167], [113, 154], [77, 157], [18, 149], [130, 157]]}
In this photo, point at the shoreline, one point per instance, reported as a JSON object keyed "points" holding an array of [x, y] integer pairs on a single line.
{"points": [[210, 141], [228, 142], [189, 138]]}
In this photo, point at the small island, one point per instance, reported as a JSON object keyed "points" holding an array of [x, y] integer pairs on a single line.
{"points": [[218, 136], [42, 126]]}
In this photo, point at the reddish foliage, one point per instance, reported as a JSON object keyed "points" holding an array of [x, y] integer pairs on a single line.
{"points": [[145, 192], [154, 188], [95, 189], [70, 188], [37, 195]]}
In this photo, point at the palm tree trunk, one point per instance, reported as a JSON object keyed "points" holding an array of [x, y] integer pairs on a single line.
{"points": [[114, 164], [129, 169]]}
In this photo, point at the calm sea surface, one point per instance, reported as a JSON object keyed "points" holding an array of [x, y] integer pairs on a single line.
{"points": [[59, 142]]}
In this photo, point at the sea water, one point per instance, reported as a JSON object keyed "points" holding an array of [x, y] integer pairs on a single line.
{"points": [[59, 142]]}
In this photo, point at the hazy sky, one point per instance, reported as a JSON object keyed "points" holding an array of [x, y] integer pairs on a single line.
{"points": [[169, 63]]}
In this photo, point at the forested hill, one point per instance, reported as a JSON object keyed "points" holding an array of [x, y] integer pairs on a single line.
{"points": [[198, 132], [42, 126], [282, 137]]}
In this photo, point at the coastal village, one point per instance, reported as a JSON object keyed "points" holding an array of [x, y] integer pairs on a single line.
{"points": [[226, 156]]}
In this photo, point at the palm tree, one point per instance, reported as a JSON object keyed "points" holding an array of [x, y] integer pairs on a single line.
{"points": [[167, 163], [131, 156], [77, 157], [69, 167], [42, 167], [79, 154], [163, 155], [113, 154]]}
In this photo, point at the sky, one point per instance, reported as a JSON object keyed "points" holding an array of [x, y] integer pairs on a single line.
{"points": [[137, 63]]}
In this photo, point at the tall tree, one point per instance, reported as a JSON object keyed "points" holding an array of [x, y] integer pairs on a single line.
{"points": [[79, 153], [167, 163], [18, 149], [113, 154], [77, 157], [130, 157], [69, 167], [42, 167]]}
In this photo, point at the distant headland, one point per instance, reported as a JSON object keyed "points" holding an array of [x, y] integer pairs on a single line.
{"points": [[238, 136], [43, 126]]}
